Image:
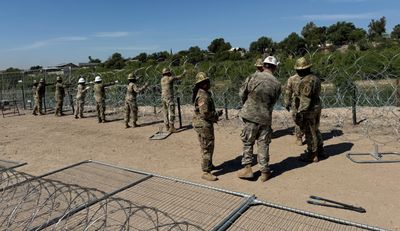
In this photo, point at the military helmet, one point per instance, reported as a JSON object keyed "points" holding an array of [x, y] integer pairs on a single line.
{"points": [[302, 63], [200, 77], [41, 81], [59, 78], [131, 76], [35, 81], [259, 63], [166, 70], [81, 80], [271, 60], [97, 79]]}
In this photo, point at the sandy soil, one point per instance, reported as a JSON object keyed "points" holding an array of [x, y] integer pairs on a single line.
{"points": [[49, 142]]}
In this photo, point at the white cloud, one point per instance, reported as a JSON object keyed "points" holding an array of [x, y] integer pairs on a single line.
{"points": [[339, 17], [113, 34], [47, 42]]}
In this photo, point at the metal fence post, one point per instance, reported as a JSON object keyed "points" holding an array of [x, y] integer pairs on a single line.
{"points": [[179, 111], [44, 95], [23, 90], [398, 92], [226, 106], [354, 103]]}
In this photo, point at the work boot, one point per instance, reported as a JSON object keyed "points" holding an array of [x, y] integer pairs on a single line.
{"points": [[34, 113], [167, 127], [127, 126], [246, 172], [135, 125], [172, 129], [321, 153], [265, 176], [209, 176], [299, 141], [76, 117], [309, 157]]}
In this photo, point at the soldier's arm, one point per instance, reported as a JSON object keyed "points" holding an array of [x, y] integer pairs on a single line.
{"points": [[179, 77], [138, 89], [243, 91], [287, 98], [109, 84]]}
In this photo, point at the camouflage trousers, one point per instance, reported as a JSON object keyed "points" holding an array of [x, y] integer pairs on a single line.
{"points": [[310, 127], [101, 109], [131, 106], [59, 106], [169, 111], [297, 130], [37, 108], [251, 133], [79, 108], [206, 138]]}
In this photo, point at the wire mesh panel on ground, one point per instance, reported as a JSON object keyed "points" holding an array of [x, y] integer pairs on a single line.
{"points": [[10, 177], [9, 164]]}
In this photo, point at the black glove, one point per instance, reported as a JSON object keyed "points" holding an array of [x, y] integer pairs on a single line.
{"points": [[299, 118], [287, 107], [220, 112]]}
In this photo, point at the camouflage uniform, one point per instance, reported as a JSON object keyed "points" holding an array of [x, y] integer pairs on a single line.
{"points": [[59, 97], [307, 106], [40, 93], [293, 83], [80, 100], [100, 97], [259, 94], [130, 102], [35, 99], [167, 97]]}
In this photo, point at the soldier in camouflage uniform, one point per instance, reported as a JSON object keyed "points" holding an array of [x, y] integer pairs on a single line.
{"points": [[259, 94], [259, 65], [130, 100], [167, 98], [35, 98], [59, 96], [307, 109], [291, 85], [100, 97], [80, 97], [40, 93], [203, 122]]}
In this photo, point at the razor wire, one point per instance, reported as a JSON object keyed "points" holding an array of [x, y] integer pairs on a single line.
{"points": [[360, 101]]}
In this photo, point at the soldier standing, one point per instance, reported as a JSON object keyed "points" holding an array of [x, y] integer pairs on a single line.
{"points": [[203, 122], [292, 84], [259, 94], [35, 97], [80, 97], [307, 110], [100, 97], [40, 93], [59, 96], [167, 98], [130, 100], [259, 65]]}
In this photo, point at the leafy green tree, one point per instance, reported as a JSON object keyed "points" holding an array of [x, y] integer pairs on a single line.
{"points": [[313, 35], [91, 60], [12, 69], [357, 35], [219, 45], [339, 33], [396, 32], [142, 57], [293, 45], [116, 61], [195, 55], [37, 67], [376, 28], [260, 46], [159, 56]]}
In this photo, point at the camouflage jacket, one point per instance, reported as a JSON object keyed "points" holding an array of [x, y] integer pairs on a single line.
{"points": [[259, 94], [132, 90], [167, 86], [34, 91], [204, 109], [81, 92], [60, 91], [100, 91], [307, 94], [292, 84], [41, 89]]}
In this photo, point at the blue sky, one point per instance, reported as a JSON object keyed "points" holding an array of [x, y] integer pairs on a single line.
{"points": [[50, 32]]}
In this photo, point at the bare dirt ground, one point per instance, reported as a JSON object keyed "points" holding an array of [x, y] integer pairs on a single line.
{"points": [[49, 142]]}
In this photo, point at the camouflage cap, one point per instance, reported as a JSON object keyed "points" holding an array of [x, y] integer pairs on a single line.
{"points": [[302, 63], [35, 81], [166, 70], [200, 77], [41, 81], [131, 76], [59, 78], [259, 63]]}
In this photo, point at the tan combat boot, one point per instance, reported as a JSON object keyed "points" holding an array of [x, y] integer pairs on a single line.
{"points": [[172, 128], [127, 125], [246, 172], [209, 176], [309, 157], [265, 176]]}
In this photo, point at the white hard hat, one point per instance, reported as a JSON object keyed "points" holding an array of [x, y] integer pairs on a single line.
{"points": [[271, 60], [97, 79], [81, 80]]}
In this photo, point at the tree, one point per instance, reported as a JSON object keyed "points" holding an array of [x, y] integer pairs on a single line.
{"points": [[195, 55], [260, 46], [313, 35], [396, 32], [357, 35], [219, 45], [376, 28], [12, 69], [94, 60], [116, 61], [37, 67], [293, 45], [142, 57], [339, 33]]}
